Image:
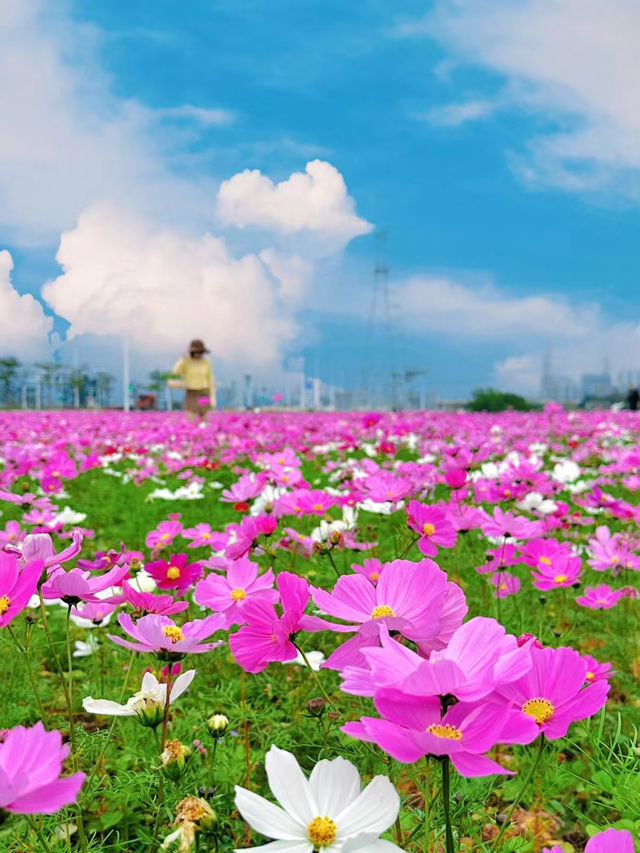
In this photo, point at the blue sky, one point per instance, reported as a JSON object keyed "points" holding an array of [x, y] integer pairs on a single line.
{"points": [[503, 169]]}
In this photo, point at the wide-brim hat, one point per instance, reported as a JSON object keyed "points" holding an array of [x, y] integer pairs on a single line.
{"points": [[197, 345]]}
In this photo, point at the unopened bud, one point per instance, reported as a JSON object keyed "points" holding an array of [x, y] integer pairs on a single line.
{"points": [[174, 758], [316, 706], [217, 725], [334, 716]]}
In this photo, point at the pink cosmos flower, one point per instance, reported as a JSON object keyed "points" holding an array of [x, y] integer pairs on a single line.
{"points": [[562, 573], [411, 727], [230, 593], [247, 534], [508, 525], [174, 573], [39, 546], [600, 597], [409, 598], [609, 841], [466, 518], [30, 765], [267, 636], [163, 535], [434, 526], [144, 603], [159, 634], [16, 585], [76, 585], [96, 612], [478, 659], [304, 502], [552, 694], [596, 670], [497, 558], [202, 536], [505, 584], [544, 552], [249, 486], [370, 569], [12, 534]]}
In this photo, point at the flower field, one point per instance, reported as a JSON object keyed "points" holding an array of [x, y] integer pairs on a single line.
{"points": [[302, 633]]}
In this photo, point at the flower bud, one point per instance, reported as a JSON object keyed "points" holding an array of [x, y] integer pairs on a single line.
{"points": [[174, 758], [316, 706], [217, 725], [149, 712]]}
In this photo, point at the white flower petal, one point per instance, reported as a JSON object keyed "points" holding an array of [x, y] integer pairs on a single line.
{"points": [[181, 683], [374, 811], [335, 785], [367, 844], [106, 707], [267, 818], [280, 847], [290, 786]]}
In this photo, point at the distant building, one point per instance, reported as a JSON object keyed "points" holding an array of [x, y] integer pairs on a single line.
{"points": [[596, 385]]}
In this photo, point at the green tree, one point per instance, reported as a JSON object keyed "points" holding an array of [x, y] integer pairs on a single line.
{"points": [[492, 400]]}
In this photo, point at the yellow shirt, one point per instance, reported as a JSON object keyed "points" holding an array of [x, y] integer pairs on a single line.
{"points": [[197, 374]]}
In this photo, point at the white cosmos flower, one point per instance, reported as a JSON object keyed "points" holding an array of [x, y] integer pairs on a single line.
{"points": [[69, 516], [147, 703], [329, 812], [566, 471], [534, 501], [316, 659]]}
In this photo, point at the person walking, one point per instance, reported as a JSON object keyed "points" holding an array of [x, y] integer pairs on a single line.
{"points": [[199, 382], [633, 398]]}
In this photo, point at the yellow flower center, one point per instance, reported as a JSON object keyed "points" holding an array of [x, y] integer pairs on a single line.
{"points": [[374, 576], [322, 831], [173, 633], [502, 586], [545, 560], [540, 709], [318, 507], [5, 603], [507, 493], [590, 676], [238, 594], [560, 579], [205, 536], [173, 573], [165, 536], [381, 611], [615, 559], [445, 730], [428, 529]]}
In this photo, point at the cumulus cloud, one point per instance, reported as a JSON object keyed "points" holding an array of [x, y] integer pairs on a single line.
{"points": [[68, 141], [486, 312], [572, 61], [24, 327], [314, 201], [124, 275]]}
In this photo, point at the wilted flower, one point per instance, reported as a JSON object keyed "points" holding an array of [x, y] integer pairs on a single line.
{"points": [[192, 815]]}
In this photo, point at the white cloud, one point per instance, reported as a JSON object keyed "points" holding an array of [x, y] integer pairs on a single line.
{"points": [[485, 312], [454, 115], [24, 327], [122, 273], [314, 201], [207, 116], [67, 140], [572, 62]]}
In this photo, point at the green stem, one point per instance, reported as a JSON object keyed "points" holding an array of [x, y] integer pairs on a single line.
{"points": [[314, 675], [408, 548], [446, 799], [163, 743], [523, 788], [333, 562], [72, 731], [34, 826], [27, 661]]}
